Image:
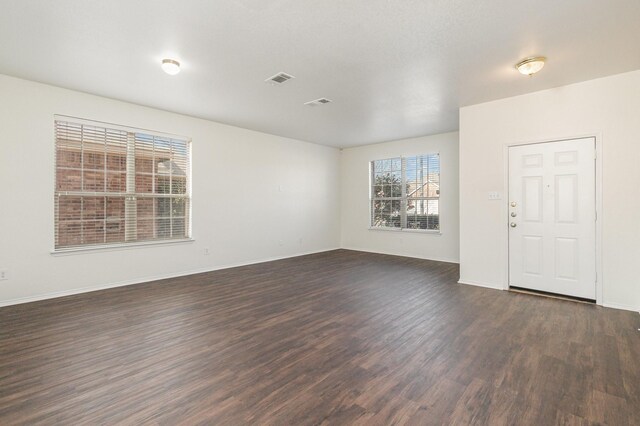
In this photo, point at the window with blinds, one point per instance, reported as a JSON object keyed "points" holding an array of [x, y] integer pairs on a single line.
{"points": [[116, 185], [405, 193]]}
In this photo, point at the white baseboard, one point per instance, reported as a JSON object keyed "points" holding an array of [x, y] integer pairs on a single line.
{"points": [[390, 253], [71, 292], [479, 284], [141, 280], [620, 306]]}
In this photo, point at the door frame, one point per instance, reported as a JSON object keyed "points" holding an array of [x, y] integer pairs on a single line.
{"points": [[597, 136]]}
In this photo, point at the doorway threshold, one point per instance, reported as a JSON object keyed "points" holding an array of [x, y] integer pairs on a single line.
{"points": [[551, 295]]}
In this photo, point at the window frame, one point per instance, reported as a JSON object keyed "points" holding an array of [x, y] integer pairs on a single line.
{"points": [[130, 195], [403, 199]]}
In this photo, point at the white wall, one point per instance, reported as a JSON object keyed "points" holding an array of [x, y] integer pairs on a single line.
{"points": [[355, 200], [232, 168], [608, 108]]}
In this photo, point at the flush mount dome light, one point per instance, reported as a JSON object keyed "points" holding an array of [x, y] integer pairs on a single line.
{"points": [[531, 65], [171, 66]]}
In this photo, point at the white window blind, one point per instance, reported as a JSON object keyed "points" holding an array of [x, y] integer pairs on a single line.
{"points": [[405, 192], [118, 185]]}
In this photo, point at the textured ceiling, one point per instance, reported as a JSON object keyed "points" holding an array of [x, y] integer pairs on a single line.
{"points": [[394, 69]]}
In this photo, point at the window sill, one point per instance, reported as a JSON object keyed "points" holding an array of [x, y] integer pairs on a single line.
{"points": [[435, 232], [117, 247]]}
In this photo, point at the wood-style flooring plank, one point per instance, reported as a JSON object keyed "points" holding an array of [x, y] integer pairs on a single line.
{"points": [[340, 337]]}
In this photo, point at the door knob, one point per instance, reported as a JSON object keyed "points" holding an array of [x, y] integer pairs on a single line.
{"points": [[513, 204], [513, 224]]}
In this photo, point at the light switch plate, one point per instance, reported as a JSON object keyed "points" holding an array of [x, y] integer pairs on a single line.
{"points": [[495, 195]]}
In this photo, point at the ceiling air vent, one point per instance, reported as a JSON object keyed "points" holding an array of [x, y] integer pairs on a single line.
{"points": [[279, 78], [318, 102]]}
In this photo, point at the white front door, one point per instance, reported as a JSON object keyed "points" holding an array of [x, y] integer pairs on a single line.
{"points": [[552, 231]]}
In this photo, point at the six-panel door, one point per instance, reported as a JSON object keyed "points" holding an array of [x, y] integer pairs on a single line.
{"points": [[552, 217]]}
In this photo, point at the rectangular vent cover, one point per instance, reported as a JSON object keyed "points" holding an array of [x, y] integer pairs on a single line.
{"points": [[318, 102], [279, 78]]}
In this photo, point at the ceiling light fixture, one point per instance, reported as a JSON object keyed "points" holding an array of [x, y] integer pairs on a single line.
{"points": [[531, 65], [171, 66]]}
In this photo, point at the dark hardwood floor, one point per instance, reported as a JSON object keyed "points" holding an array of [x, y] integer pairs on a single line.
{"points": [[341, 337]]}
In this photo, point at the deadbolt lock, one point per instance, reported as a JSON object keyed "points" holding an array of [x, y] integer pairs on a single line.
{"points": [[514, 214]]}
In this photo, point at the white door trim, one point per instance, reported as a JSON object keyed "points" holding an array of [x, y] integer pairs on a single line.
{"points": [[599, 211]]}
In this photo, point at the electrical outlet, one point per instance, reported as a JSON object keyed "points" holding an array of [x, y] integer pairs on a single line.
{"points": [[4, 275], [206, 251]]}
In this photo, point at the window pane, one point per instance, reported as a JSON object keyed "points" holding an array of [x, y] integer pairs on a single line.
{"points": [[433, 207], [423, 214], [395, 214], [178, 207], [93, 208], [396, 164], [144, 148], [396, 188], [387, 165], [116, 150], [69, 208], [144, 183], [385, 213], [144, 160], [117, 161], [434, 185], [68, 180], [145, 229], [386, 191], [163, 185], [114, 231], [115, 208], [179, 185], [163, 228], [93, 159], [69, 233], [93, 181], [179, 228], [388, 185], [144, 208], [93, 232], [423, 176], [180, 148], [162, 151], [68, 157], [116, 182], [163, 207], [395, 207], [418, 194], [377, 213]]}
